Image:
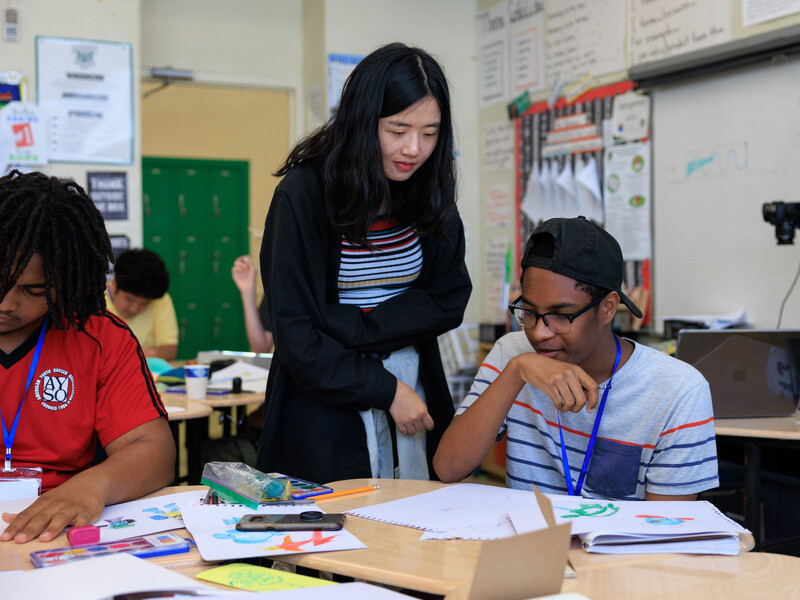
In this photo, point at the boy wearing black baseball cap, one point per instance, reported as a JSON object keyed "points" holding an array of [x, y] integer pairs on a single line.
{"points": [[624, 421]]}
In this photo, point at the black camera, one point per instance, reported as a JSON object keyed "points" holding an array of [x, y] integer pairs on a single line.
{"points": [[786, 218]]}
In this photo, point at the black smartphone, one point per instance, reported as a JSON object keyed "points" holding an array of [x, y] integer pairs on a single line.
{"points": [[310, 520]]}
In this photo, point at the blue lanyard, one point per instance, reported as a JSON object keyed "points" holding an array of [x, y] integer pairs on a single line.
{"points": [[590, 448], [8, 436]]}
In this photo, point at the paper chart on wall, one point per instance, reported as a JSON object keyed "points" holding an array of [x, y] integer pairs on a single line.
{"points": [[143, 517], [213, 528], [466, 511]]}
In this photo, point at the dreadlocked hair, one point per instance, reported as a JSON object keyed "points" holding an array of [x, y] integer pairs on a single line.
{"points": [[57, 220]]}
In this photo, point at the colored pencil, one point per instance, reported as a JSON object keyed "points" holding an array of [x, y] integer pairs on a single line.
{"points": [[369, 488]]}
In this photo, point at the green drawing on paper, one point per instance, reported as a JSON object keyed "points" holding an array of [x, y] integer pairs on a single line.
{"points": [[590, 510]]}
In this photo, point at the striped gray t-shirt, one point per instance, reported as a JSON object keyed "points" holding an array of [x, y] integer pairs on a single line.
{"points": [[656, 434]]}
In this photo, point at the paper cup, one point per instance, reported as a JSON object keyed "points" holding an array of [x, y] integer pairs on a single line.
{"points": [[196, 377]]}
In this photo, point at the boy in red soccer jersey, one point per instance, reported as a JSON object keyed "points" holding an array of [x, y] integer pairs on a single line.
{"points": [[71, 373]]}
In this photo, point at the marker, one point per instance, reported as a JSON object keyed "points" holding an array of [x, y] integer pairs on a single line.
{"points": [[369, 488]]}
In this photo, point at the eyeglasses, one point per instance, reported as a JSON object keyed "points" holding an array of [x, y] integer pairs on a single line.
{"points": [[555, 322]]}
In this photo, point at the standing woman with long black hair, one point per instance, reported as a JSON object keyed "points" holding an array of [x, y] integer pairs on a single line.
{"points": [[363, 260]]}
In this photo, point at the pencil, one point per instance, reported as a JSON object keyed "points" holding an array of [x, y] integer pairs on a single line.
{"points": [[369, 488]]}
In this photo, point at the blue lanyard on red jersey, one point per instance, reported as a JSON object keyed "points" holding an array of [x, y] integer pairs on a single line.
{"points": [[8, 436], [590, 448]]}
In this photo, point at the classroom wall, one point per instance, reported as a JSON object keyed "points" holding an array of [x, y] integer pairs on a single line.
{"points": [[712, 252], [285, 45], [110, 20], [240, 42]]}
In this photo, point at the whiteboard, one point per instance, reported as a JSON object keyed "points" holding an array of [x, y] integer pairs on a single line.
{"points": [[722, 146]]}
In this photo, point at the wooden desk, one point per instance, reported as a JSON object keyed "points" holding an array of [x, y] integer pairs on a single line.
{"points": [[756, 433], [396, 556]]}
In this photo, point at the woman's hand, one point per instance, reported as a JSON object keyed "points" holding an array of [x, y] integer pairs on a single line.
{"points": [[409, 412]]}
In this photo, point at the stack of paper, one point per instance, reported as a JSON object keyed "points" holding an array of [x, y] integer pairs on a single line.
{"points": [[635, 527], [482, 512], [254, 378]]}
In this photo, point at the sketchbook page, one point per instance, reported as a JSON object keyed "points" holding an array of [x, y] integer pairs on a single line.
{"points": [[95, 579], [494, 529], [451, 508], [143, 517], [727, 546], [213, 528], [676, 518]]}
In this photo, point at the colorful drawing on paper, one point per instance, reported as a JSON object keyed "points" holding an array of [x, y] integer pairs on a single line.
{"points": [[657, 520], [259, 579], [170, 511], [214, 530], [589, 510], [118, 523], [282, 541], [144, 517]]}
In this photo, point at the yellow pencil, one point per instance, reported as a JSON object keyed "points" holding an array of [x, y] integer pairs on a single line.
{"points": [[369, 488]]}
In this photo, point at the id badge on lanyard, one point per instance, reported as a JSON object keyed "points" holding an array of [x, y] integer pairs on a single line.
{"points": [[21, 482]]}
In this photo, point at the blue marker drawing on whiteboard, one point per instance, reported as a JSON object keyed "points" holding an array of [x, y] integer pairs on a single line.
{"points": [[711, 161]]}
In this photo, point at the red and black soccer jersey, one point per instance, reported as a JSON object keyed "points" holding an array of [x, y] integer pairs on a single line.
{"points": [[88, 385]]}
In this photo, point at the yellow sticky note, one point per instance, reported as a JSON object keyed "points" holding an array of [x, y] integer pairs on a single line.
{"points": [[259, 579]]}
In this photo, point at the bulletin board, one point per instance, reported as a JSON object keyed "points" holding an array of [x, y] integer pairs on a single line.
{"points": [[571, 138]]}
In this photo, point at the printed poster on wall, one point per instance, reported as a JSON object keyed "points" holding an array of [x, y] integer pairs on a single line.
{"points": [[109, 192], [86, 87], [627, 172], [339, 68], [584, 39], [658, 30], [527, 45], [494, 78], [23, 134]]}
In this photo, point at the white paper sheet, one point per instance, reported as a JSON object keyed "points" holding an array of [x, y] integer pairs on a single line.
{"points": [[557, 204], [94, 579], [533, 202], [569, 194], [213, 528], [465, 510], [13, 506], [143, 517], [655, 519], [590, 197], [548, 208], [254, 378]]}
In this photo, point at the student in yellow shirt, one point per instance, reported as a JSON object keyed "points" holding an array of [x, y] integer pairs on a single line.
{"points": [[138, 294]]}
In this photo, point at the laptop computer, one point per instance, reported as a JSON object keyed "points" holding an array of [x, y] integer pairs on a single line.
{"points": [[751, 372]]}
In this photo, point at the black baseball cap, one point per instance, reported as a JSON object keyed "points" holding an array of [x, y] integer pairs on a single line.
{"points": [[581, 249]]}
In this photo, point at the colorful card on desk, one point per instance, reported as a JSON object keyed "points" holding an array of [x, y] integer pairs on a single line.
{"points": [[302, 488], [144, 547], [259, 579]]}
